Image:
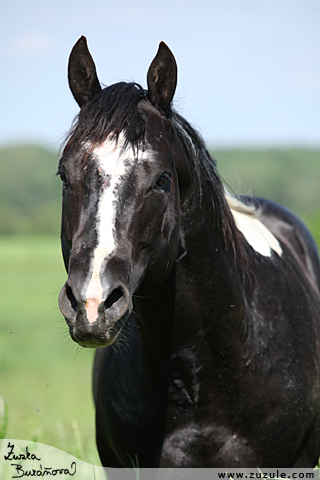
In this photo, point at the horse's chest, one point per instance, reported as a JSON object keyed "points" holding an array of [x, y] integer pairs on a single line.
{"points": [[201, 446], [195, 435], [179, 425], [166, 429]]}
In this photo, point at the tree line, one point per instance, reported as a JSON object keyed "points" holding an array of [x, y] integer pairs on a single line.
{"points": [[30, 194]]}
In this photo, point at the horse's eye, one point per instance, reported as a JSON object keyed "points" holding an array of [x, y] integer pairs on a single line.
{"points": [[63, 177], [162, 181]]}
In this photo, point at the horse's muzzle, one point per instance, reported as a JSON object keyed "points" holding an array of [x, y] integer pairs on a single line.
{"points": [[94, 323]]}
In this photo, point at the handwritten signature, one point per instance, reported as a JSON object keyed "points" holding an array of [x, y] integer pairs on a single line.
{"points": [[34, 472]]}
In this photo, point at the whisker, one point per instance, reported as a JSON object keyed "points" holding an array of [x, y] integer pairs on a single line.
{"points": [[139, 296], [136, 315]]}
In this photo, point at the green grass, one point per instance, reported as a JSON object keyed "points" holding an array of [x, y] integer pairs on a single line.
{"points": [[45, 380]]}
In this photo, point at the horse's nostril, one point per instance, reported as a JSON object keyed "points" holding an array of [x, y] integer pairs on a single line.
{"points": [[71, 297], [113, 298]]}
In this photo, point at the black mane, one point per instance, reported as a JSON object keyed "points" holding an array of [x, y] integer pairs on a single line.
{"points": [[207, 173], [114, 110]]}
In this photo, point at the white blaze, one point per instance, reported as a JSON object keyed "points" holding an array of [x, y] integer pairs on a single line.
{"points": [[111, 162]]}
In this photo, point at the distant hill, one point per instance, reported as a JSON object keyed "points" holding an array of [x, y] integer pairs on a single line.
{"points": [[30, 194], [290, 177]]}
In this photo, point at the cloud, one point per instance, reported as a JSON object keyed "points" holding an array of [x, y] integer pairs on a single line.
{"points": [[30, 44], [307, 81]]}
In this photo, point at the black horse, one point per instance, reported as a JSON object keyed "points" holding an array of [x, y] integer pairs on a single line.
{"points": [[207, 305]]}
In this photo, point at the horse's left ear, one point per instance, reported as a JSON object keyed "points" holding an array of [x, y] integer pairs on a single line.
{"points": [[82, 75], [162, 78]]}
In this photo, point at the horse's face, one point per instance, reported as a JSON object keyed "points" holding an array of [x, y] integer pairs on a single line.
{"points": [[120, 226]]}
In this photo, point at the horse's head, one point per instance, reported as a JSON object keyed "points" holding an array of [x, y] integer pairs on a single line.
{"points": [[121, 213]]}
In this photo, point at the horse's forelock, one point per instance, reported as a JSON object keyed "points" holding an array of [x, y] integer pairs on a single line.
{"points": [[113, 111]]}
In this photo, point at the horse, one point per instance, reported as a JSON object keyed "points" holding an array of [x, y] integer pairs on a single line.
{"points": [[203, 306]]}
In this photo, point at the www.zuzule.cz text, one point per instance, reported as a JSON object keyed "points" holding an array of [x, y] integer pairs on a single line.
{"points": [[262, 474]]}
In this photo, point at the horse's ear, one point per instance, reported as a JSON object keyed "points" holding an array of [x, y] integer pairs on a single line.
{"points": [[162, 78], [82, 75]]}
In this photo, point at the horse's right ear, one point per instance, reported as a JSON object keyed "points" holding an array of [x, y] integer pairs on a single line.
{"points": [[162, 78], [82, 75]]}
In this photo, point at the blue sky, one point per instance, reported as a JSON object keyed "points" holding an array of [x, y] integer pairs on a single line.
{"points": [[248, 70]]}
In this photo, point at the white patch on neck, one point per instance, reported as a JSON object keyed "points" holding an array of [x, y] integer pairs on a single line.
{"points": [[256, 234], [111, 160]]}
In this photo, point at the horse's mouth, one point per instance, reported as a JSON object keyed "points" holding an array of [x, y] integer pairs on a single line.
{"points": [[97, 335], [93, 343]]}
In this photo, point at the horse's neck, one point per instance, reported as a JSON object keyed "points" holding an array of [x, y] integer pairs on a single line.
{"points": [[199, 311], [209, 307]]}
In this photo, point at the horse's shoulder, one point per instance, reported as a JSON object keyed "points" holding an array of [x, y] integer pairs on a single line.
{"points": [[294, 237]]}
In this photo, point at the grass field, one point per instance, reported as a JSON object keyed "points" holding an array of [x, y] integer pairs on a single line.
{"points": [[45, 380]]}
